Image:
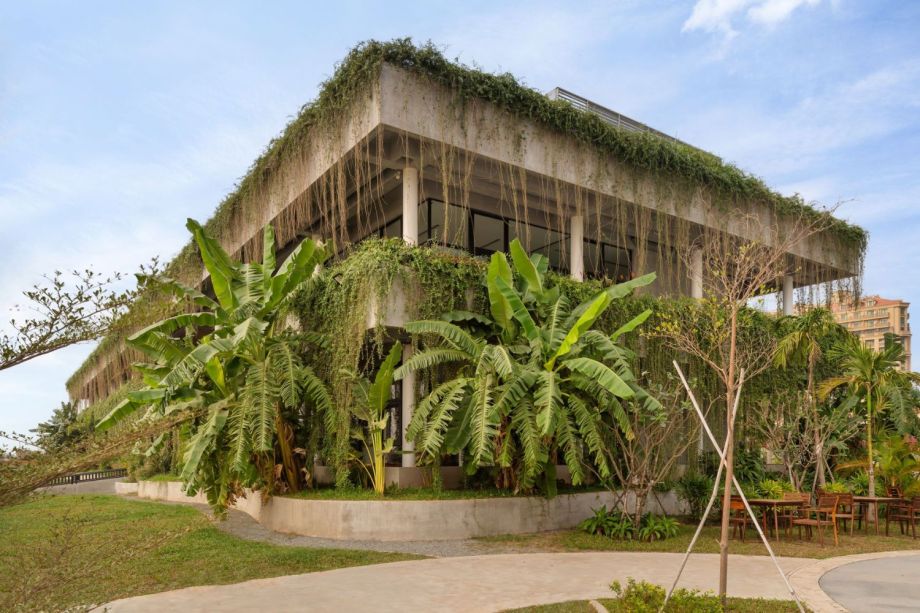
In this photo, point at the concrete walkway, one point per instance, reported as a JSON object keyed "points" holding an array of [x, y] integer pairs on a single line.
{"points": [[882, 584], [471, 583]]}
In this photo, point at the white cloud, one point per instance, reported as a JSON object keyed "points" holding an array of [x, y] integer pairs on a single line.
{"points": [[718, 16], [714, 16], [772, 12]]}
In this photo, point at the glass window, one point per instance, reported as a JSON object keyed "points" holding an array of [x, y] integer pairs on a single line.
{"points": [[432, 223], [392, 229], [424, 233], [488, 234], [607, 261], [540, 240], [449, 224]]}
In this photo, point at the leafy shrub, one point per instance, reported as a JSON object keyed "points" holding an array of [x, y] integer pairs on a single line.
{"points": [[612, 524], [839, 487], [772, 488], [645, 597], [695, 489], [597, 523], [749, 465], [859, 484], [617, 525], [657, 528], [621, 527]]}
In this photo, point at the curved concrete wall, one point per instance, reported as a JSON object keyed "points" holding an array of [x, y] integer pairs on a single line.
{"points": [[410, 520]]}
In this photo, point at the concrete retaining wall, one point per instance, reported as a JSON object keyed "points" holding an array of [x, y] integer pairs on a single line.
{"points": [[124, 488], [398, 520]]}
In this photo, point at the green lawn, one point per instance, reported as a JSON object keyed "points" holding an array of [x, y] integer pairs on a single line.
{"points": [[575, 540], [735, 605], [65, 551]]}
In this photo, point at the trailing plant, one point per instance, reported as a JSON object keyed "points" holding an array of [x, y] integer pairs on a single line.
{"points": [[235, 359], [531, 382]]}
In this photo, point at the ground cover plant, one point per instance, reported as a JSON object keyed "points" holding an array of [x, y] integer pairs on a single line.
{"points": [[70, 551], [617, 525], [645, 597]]}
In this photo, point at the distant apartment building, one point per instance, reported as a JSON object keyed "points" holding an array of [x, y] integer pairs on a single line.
{"points": [[875, 320]]}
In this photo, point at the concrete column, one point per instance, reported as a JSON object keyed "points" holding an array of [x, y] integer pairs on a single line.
{"points": [[408, 406], [788, 299], [410, 205], [696, 273], [577, 247]]}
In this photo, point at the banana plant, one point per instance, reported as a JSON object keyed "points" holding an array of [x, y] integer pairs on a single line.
{"points": [[370, 408], [533, 381], [237, 362]]}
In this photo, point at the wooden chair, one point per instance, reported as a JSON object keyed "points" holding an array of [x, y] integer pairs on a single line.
{"points": [[787, 514], [907, 515], [846, 510], [737, 516], [820, 517]]}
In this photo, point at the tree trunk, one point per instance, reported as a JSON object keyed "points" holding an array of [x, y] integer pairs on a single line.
{"points": [[871, 463], [816, 428], [641, 496], [729, 461], [287, 457]]}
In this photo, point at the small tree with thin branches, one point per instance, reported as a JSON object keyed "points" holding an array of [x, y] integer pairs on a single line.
{"points": [[719, 329]]}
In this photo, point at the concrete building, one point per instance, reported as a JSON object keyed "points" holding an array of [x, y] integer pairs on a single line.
{"points": [[876, 321], [414, 151]]}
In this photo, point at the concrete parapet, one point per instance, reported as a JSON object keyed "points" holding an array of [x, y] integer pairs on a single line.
{"points": [[412, 520]]}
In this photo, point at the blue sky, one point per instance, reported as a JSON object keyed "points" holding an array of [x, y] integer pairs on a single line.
{"points": [[119, 120]]}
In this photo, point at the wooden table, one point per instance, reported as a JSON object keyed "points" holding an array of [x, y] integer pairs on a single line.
{"points": [[873, 501], [771, 504]]}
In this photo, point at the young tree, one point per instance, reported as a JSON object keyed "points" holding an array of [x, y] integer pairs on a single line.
{"points": [[793, 432], [802, 344], [875, 379], [718, 329], [661, 435]]}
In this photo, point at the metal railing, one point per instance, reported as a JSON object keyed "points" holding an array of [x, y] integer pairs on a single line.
{"points": [[95, 475], [615, 119]]}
